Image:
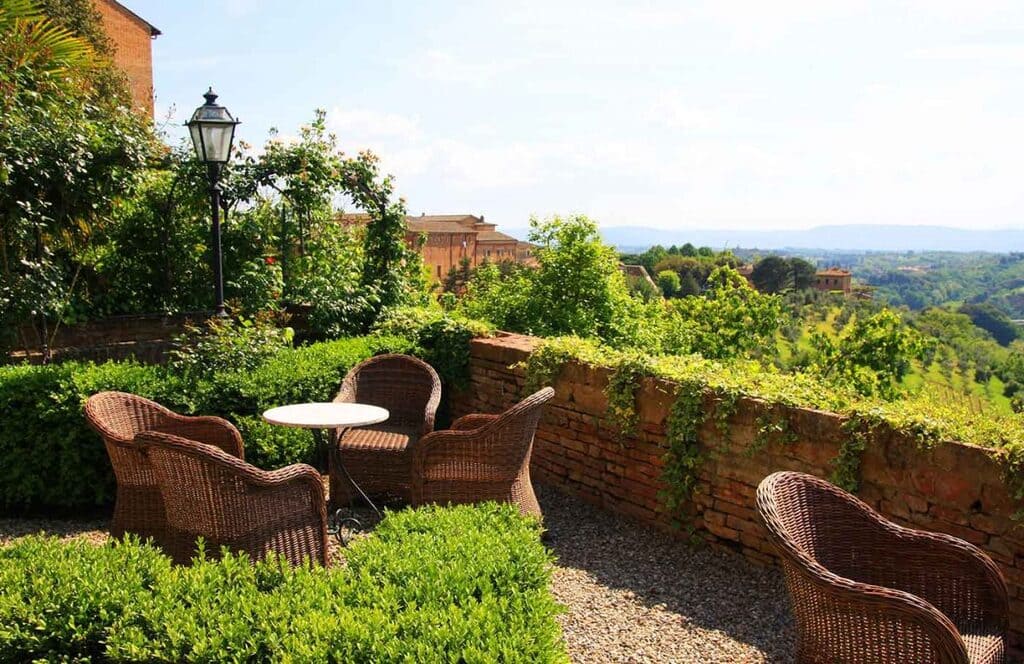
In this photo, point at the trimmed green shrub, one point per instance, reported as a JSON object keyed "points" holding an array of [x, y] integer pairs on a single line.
{"points": [[50, 460], [463, 584], [48, 455]]}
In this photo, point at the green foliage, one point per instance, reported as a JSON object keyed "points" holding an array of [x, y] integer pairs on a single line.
{"points": [[465, 584], [772, 274], [775, 274], [51, 461], [730, 320], [506, 300], [846, 466], [669, 283], [872, 356], [683, 459], [152, 255], [50, 458], [440, 338], [227, 344], [992, 320], [803, 273], [726, 381], [69, 148], [626, 379], [80, 17], [578, 288]]}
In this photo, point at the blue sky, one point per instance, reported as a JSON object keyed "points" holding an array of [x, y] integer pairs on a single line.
{"points": [[719, 114]]}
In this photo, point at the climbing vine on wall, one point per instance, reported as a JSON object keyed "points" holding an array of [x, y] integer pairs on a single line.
{"points": [[683, 458], [626, 379]]}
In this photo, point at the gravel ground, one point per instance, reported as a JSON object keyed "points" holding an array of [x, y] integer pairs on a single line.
{"points": [[635, 594], [632, 593]]}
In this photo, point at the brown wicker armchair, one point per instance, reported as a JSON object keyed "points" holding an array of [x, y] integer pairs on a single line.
{"points": [[864, 589], [117, 417], [230, 503], [482, 457], [377, 457]]}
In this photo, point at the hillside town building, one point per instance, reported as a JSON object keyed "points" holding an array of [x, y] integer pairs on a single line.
{"points": [[834, 279], [131, 37], [450, 238]]}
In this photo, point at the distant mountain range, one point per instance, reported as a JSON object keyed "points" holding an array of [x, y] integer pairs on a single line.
{"points": [[843, 238]]}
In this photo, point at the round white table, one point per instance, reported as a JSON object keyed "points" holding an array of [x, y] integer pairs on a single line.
{"points": [[326, 415], [322, 416]]}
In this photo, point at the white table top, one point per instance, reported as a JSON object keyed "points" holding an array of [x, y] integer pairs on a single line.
{"points": [[326, 415]]}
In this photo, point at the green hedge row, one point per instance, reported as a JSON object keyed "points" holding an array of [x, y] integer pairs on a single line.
{"points": [[464, 584], [50, 460]]}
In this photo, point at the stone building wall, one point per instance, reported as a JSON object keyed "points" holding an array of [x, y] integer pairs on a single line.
{"points": [[952, 488]]}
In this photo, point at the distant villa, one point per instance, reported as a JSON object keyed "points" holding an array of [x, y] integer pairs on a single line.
{"points": [[450, 238]]}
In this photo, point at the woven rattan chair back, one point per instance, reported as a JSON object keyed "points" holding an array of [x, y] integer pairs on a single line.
{"points": [[117, 417], [489, 462], [864, 589], [230, 503], [406, 386]]}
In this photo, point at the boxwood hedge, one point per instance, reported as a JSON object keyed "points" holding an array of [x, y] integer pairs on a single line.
{"points": [[464, 584], [50, 460]]}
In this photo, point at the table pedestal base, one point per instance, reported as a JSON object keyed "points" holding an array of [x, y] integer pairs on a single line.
{"points": [[338, 521]]}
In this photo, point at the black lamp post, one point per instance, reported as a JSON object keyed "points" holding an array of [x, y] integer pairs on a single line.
{"points": [[213, 129]]}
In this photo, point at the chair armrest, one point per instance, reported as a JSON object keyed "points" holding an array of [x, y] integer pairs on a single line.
{"points": [[207, 429], [951, 574], [430, 410], [298, 483], [473, 421]]}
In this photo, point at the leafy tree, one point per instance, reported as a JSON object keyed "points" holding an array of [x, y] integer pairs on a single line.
{"points": [[772, 274], [803, 273], [996, 322], [80, 17], [730, 319], [688, 250], [578, 288], [68, 150], [688, 286], [872, 356], [669, 283]]}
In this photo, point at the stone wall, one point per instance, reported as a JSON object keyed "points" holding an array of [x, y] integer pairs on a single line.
{"points": [[952, 488]]}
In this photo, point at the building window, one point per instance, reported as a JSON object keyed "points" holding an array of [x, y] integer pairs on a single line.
{"points": [[438, 271]]}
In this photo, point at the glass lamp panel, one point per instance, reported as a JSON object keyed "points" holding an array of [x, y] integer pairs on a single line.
{"points": [[217, 138], [197, 140]]}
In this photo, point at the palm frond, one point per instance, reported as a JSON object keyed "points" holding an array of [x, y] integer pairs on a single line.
{"points": [[15, 10]]}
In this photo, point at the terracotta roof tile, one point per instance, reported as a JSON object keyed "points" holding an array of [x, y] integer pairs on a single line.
{"points": [[494, 236]]}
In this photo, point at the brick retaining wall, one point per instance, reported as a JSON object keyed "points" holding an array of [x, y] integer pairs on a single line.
{"points": [[952, 488], [144, 337]]}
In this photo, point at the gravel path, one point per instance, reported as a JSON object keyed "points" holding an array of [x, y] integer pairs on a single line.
{"points": [[635, 594]]}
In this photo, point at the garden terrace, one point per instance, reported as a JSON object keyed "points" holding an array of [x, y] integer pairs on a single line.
{"points": [[633, 459]]}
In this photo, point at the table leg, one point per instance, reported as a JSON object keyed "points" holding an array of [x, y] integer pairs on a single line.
{"points": [[339, 520]]}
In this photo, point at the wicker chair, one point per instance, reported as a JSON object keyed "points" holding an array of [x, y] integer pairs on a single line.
{"points": [[230, 503], [378, 457], [117, 417], [482, 457], [864, 589]]}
